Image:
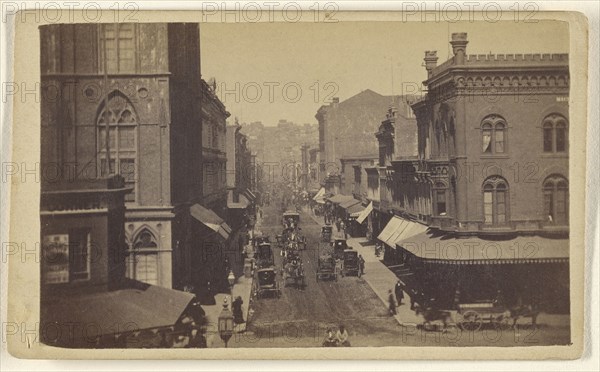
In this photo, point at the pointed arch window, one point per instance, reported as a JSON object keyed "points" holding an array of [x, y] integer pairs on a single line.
{"points": [[556, 199], [554, 129], [441, 199], [495, 201], [145, 258], [493, 135], [120, 158]]}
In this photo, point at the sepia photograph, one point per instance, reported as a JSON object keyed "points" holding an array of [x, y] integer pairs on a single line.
{"points": [[325, 183]]}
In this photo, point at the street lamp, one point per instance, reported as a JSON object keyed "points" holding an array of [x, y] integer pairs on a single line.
{"points": [[225, 323]]}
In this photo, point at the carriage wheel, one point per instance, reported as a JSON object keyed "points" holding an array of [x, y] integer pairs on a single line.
{"points": [[471, 321]]}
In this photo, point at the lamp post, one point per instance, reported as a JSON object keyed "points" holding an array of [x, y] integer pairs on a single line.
{"points": [[225, 323]]}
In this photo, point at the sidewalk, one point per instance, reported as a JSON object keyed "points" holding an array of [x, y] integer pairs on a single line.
{"points": [[243, 288], [378, 276]]}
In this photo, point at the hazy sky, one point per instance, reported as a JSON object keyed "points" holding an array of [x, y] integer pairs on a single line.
{"points": [[275, 71]]}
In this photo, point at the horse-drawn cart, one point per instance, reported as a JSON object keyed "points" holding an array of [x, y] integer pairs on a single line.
{"points": [[472, 316], [327, 268], [266, 283]]}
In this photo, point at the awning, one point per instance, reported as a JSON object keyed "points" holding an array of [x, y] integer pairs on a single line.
{"points": [[438, 247], [355, 210], [349, 203], [320, 194], [211, 220], [365, 213], [399, 229], [250, 195], [240, 205], [138, 307], [339, 198]]}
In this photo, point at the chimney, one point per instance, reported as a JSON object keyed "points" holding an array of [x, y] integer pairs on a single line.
{"points": [[459, 47], [335, 101], [430, 61]]}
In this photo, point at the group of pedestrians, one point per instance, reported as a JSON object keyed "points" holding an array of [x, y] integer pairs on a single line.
{"points": [[340, 338]]}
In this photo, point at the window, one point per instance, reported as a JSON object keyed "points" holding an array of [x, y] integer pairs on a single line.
{"points": [[145, 251], [493, 135], [495, 201], [122, 144], [556, 199], [554, 129], [440, 199], [117, 47]]}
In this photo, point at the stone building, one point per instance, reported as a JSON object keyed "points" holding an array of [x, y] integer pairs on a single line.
{"points": [[346, 128], [140, 83], [490, 181]]}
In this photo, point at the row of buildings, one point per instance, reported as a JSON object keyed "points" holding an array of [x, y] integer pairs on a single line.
{"points": [[159, 191], [467, 187]]}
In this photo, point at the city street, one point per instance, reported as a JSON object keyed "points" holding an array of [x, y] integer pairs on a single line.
{"points": [[300, 318]]}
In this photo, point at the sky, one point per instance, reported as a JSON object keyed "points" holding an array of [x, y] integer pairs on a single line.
{"points": [[271, 71]]}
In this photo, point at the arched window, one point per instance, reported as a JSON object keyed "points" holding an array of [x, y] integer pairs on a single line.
{"points": [[554, 129], [556, 199], [145, 258], [441, 206], [495, 201], [122, 145], [493, 135]]}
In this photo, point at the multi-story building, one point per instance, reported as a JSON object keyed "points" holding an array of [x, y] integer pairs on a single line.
{"points": [[139, 85], [490, 180]]}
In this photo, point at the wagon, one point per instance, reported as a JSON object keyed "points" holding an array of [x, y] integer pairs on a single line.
{"points": [[327, 268], [266, 283], [472, 316], [326, 232], [294, 270], [339, 246], [264, 255], [351, 263]]}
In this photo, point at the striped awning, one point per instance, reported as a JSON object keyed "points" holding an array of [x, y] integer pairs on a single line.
{"points": [[443, 248], [365, 213], [398, 229], [211, 220]]}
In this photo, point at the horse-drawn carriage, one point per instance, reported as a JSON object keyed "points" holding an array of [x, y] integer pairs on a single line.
{"points": [[266, 282], [264, 256], [294, 270], [290, 219], [339, 246], [326, 232], [471, 317], [327, 268], [351, 263]]}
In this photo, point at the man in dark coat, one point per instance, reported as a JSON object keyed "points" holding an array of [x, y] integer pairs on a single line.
{"points": [[399, 289], [238, 315]]}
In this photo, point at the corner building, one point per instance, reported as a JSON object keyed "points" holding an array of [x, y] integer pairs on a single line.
{"points": [[493, 161]]}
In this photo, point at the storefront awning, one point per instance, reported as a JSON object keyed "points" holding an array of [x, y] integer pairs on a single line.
{"points": [[138, 307], [365, 213], [250, 195], [349, 203], [211, 220], [355, 210], [339, 198], [320, 194], [437, 247], [399, 229]]}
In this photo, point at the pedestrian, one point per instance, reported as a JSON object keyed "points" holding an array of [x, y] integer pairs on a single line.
{"points": [[330, 340], [399, 292], [338, 225], [238, 316], [392, 302], [361, 264], [342, 336]]}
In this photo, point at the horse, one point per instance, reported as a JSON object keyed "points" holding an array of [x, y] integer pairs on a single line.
{"points": [[430, 315], [524, 311]]}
